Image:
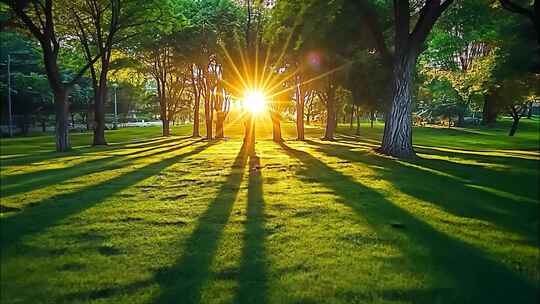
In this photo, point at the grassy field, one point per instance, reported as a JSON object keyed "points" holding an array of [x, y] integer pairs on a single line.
{"points": [[182, 220]]}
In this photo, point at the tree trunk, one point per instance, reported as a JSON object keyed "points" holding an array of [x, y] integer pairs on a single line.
{"points": [[529, 110], [514, 126], [461, 119], [208, 119], [220, 121], [166, 130], [299, 116], [489, 115], [352, 117], [43, 126], [166, 126], [62, 121], [100, 95], [196, 116], [249, 133], [99, 104], [276, 127], [397, 137], [371, 118], [330, 114], [357, 120]]}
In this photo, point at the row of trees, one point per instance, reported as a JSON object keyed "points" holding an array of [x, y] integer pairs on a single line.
{"points": [[313, 58]]}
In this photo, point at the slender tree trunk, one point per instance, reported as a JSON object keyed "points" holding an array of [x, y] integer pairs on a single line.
{"points": [[299, 115], [352, 117], [357, 120], [397, 138], [461, 119], [196, 116], [208, 117], [276, 127], [529, 110], [371, 118], [514, 126], [62, 121], [249, 133], [330, 114], [166, 129]]}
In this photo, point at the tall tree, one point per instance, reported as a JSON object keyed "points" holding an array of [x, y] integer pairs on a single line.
{"points": [[411, 27], [38, 17], [100, 26]]}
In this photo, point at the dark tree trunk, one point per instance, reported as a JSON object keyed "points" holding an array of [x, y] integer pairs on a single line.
{"points": [[489, 113], [408, 42], [351, 117], [100, 95], [514, 126], [196, 116], [529, 110], [166, 127], [461, 119], [208, 117], [371, 118], [357, 120], [43, 126], [330, 114], [276, 127], [300, 116], [397, 138], [62, 121], [72, 119]]}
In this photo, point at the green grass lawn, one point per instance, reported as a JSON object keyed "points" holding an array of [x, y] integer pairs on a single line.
{"points": [[182, 220]]}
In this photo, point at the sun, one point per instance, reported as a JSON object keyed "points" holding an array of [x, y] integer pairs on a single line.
{"points": [[255, 101]]}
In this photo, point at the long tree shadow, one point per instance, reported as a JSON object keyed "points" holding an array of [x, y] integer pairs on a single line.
{"points": [[253, 268], [477, 279], [52, 210], [182, 282], [44, 156], [36, 180], [464, 200]]}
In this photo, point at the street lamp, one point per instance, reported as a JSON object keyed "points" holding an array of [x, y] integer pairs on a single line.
{"points": [[115, 123]]}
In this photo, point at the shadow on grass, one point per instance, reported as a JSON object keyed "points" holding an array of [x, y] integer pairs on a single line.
{"points": [[464, 199], [253, 273], [52, 210], [182, 282], [44, 156], [476, 278], [31, 181]]}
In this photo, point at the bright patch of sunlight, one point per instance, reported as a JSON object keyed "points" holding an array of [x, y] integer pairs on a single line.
{"points": [[255, 101]]}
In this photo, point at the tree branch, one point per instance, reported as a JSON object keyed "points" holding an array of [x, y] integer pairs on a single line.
{"points": [[82, 71]]}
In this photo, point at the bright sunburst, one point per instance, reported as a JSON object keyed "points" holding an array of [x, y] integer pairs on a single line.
{"points": [[255, 101]]}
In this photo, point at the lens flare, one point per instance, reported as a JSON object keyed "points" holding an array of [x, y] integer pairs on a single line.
{"points": [[255, 101]]}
